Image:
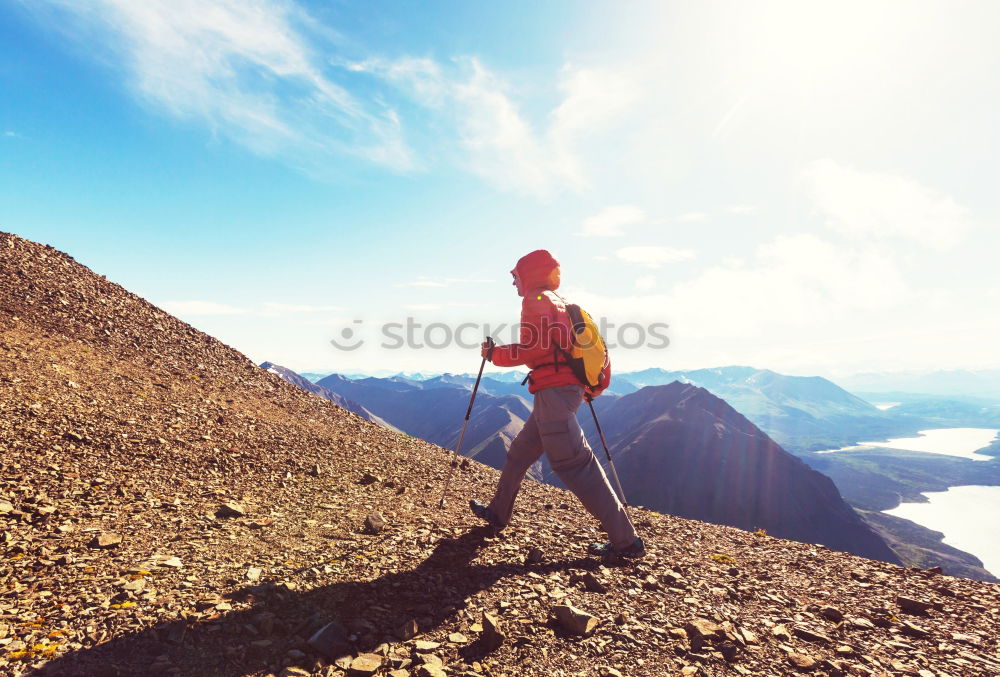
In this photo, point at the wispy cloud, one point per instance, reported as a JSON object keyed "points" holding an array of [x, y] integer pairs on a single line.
{"points": [[248, 69], [645, 283], [190, 308], [299, 308], [424, 281], [267, 75], [610, 221], [467, 280], [872, 205], [265, 309], [11, 134], [801, 284], [742, 209], [693, 217], [496, 139], [653, 256]]}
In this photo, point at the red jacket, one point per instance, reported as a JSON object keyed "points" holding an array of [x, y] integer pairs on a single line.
{"points": [[545, 327]]}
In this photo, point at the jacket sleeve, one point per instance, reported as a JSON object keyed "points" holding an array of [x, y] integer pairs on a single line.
{"points": [[537, 318]]}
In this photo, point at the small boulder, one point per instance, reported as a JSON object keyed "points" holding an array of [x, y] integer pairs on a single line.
{"points": [[831, 613], [729, 651], [231, 509], [428, 659], [427, 670], [808, 635], [492, 636], [106, 539], [409, 629], [365, 664], [913, 606], [375, 523], [914, 630], [802, 661], [331, 640], [701, 630], [574, 620], [593, 584], [780, 633]]}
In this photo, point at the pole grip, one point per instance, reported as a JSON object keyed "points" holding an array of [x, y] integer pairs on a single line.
{"points": [[479, 377]]}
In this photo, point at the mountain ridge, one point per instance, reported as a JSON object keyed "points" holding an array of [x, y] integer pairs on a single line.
{"points": [[682, 450], [172, 509]]}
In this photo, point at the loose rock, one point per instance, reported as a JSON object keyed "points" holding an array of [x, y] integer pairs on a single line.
{"points": [[231, 510], [574, 620], [106, 540], [375, 523], [493, 636]]}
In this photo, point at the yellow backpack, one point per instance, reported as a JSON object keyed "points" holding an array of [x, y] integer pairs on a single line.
{"points": [[588, 356]]}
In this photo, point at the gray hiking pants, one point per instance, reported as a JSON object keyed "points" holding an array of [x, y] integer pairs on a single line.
{"points": [[553, 427]]}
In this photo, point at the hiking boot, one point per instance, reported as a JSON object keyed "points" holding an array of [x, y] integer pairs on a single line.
{"points": [[483, 512], [634, 551]]}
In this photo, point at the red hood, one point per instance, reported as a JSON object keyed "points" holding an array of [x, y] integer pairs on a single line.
{"points": [[535, 268]]}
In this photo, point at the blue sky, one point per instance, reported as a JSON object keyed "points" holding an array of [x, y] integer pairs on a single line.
{"points": [[801, 186]]}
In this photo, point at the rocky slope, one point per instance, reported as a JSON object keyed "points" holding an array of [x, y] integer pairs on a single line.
{"points": [[167, 507]]}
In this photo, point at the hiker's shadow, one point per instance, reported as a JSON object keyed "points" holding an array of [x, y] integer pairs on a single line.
{"points": [[364, 614]]}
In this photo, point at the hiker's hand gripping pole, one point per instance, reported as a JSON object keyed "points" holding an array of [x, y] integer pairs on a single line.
{"points": [[468, 412], [604, 443]]}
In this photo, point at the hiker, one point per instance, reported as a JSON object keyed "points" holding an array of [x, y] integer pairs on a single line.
{"points": [[552, 426]]}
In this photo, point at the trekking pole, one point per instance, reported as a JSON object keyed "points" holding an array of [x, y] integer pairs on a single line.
{"points": [[611, 464], [468, 412]]}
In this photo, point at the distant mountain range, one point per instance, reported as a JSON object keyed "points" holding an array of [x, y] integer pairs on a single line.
{"points": [[336, 398], [680, 448], [940, 411], [951, 382], [801, 413], [434, 410]]}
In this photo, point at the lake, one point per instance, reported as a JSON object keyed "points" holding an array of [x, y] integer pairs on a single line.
{"points": [[968, 516], [962, 442]]}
